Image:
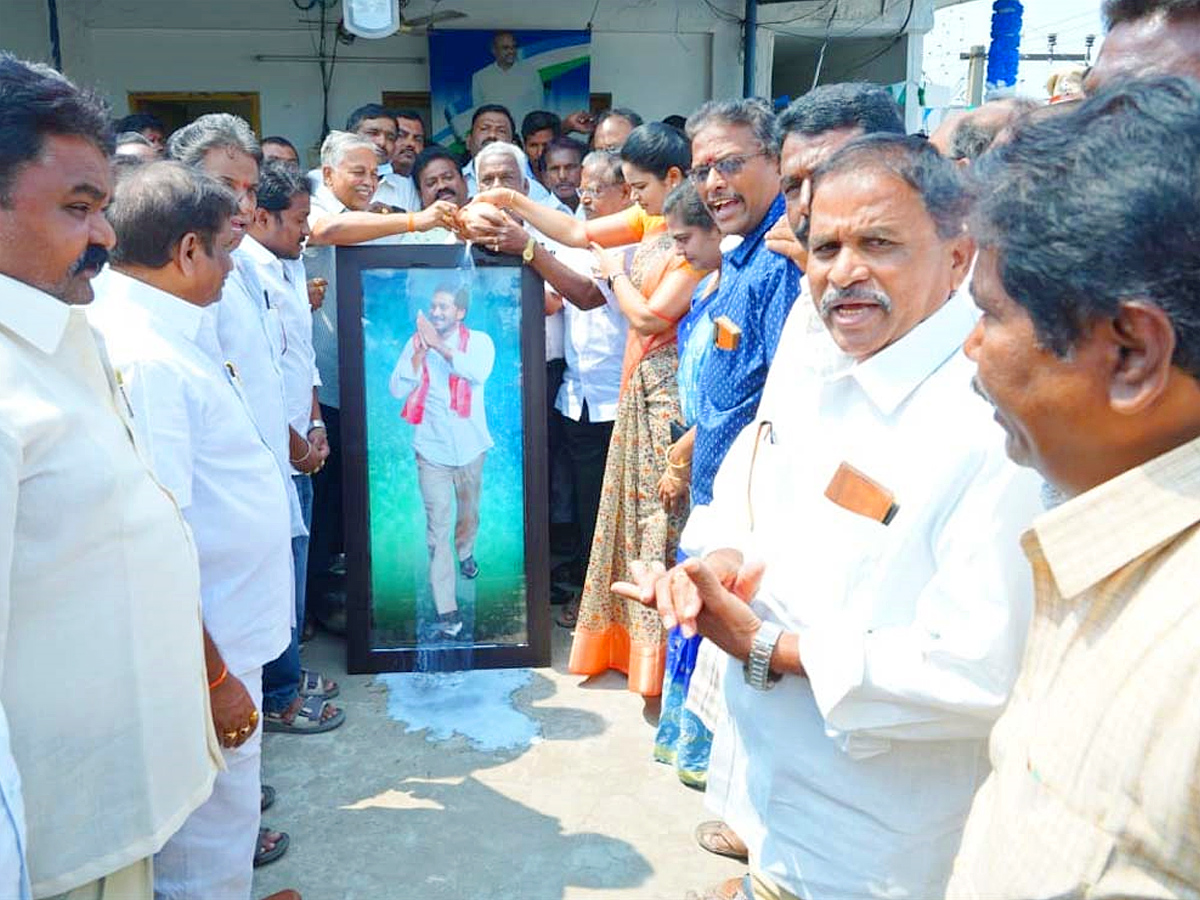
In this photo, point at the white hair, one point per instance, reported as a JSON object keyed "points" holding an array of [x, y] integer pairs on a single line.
{"points": [[338, 143], [502, 148]]}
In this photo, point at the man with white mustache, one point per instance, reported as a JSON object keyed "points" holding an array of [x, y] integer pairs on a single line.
{"points": [[859, 559]]}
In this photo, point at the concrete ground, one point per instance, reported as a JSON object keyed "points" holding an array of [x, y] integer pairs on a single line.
{"points": [[376, 813]]}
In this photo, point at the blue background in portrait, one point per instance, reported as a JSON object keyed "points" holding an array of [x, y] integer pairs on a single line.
{"points": [[493, 605], [455, 56]]}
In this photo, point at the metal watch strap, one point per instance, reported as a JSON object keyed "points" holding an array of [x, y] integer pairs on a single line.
{"points": [[758, 666]]}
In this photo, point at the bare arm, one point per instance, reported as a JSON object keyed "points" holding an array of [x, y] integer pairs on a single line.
{"points": [[352, 227], [661, 310]]}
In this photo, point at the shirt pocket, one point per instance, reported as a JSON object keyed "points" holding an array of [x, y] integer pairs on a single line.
{"points": [[724, 373]]}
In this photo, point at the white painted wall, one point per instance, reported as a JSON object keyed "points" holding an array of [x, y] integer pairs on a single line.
{"points": [[24, 30], [637, 54]]}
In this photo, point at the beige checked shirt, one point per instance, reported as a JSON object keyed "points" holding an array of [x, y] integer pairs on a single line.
{"points": [[1095, 790]]}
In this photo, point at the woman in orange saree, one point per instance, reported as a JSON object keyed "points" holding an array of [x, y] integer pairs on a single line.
{"points": [[632, 524]]}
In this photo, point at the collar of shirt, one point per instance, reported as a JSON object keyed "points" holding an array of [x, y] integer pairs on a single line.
{"points": [[324, 200], [174, 314], [741, 254], [32, 314], [892, 374], [1093, 535], [257, 252]]}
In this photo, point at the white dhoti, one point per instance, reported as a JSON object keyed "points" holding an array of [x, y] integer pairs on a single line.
{"points": [[212, 855]]}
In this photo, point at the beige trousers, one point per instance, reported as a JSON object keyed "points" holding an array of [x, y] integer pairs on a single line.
{"points": [[451, 496], [134, 882]]}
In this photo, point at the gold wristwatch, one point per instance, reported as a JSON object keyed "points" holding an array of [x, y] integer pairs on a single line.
{"points": [[527, 253]]}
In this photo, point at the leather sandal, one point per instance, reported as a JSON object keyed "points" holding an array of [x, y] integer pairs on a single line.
{"points": [[717, 837]]}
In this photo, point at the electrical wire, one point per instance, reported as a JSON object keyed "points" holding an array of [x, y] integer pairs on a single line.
{"points": [[592, 17], [824, 46], [892, 43], [722, 14]]}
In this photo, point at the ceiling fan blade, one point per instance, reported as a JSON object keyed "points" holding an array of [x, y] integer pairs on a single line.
{"points": [[446, 15]]}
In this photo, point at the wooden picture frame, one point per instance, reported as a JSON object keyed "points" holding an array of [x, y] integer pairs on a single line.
{"points": [[393, 618]]}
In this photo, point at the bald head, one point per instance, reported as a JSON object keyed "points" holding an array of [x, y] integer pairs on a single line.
{"points": [[1148, 37]]}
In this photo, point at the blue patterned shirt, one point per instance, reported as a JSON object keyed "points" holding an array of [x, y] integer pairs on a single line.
{"points": [[757, 290]]}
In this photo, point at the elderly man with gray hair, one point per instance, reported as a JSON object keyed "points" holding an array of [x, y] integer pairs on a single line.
{"points": [[173, 227]]}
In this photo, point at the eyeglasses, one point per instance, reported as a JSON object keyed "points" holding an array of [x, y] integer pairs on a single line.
{"points": [[595, 191], [730, 165]]}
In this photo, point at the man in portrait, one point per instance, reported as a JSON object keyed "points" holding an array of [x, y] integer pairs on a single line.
{"points": [[440, 377]]}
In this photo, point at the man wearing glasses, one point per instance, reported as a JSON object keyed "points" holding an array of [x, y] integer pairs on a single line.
{"points": [[735, 167]]}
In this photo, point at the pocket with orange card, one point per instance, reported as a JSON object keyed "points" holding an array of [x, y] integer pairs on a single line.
{"points": [[854, 491]]}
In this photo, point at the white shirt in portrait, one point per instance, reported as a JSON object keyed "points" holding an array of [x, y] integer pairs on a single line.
{"points": [[444, 436], [855, 780], [102, 672]]}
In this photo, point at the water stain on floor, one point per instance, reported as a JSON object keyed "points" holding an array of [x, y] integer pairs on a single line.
{"points": [[478, 705]]}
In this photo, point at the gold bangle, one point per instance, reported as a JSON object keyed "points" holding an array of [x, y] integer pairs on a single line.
{"points": [[679, 467], [410, 223]]}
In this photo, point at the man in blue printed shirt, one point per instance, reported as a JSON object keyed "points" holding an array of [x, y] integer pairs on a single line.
{"points": [[735, 167]]}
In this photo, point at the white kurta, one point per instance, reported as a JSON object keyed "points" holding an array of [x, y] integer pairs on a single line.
{"points": [[193, 421], [101, 657], [855, 781]]}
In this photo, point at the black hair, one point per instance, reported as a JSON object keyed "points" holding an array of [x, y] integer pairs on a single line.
{"points": [[676, 121], [410, 114], [493, 108], [622, 112], [832, 107], [540, 120], [281, 141], [750, 112], [1097, 169], [278, 183], [428, 155], [657, 148], [562, 142], [684, 203], [132, 137], [914, 161], [36, 101], [156, 204], [460, 293], [140, 122], [1117, 12], [367, 111]]}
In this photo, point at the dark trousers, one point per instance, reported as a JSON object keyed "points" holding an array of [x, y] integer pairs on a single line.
{"points": [[587, 449], [326, 536]]}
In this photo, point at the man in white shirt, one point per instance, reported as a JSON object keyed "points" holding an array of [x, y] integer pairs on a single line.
{"points": [[248, 328], [193, 417], [440, 379], [102, 669], [294, 699], [507, 81], [881, 622], [493, 122], [396, 192]]}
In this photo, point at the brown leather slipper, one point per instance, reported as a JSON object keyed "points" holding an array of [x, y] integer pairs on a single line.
{"points": [[717, 837], [733, 889]]}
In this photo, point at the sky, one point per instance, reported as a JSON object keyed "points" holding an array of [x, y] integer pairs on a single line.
{"points": [[956, 28]]}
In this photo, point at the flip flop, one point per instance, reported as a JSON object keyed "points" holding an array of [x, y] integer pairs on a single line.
{"points": [[717, 837], [306, 720], [733, 889], [314, 684], [267, 798], [262, 857]]}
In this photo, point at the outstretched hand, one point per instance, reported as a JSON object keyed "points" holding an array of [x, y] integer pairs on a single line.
{"points": [[708, 597]]}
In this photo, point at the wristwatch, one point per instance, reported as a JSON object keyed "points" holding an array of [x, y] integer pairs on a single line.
{"points": [[315, 424], [527, 253], [758, 665]]}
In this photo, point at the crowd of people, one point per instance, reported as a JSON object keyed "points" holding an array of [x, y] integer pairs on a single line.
{"points": [[876, 456]]}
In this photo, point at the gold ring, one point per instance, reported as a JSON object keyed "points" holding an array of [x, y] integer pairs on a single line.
{"points": [[245, 730], [231, 735], [253, 717]]}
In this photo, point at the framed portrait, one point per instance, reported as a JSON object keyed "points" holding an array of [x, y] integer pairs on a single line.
{"points": [[443, 417]]}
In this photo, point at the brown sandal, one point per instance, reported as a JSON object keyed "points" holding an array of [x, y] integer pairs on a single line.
{"points": [[569, 615], [717, 837]]}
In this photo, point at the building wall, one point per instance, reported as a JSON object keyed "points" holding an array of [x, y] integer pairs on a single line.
{"points": [[657, 72]]}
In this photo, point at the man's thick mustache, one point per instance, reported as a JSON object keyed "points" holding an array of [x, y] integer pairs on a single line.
{"points": [[834, 296], [94, 257]]}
